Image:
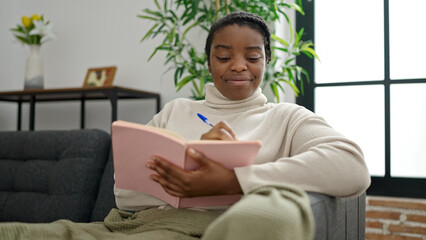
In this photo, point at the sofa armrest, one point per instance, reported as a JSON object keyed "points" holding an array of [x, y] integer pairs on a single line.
{"points": [[338, 218]]}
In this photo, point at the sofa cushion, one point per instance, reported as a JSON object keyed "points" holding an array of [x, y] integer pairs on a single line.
{"points": [[51, 175]]}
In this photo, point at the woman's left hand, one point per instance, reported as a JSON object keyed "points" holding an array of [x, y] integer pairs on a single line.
{"points": [[211, 178]]}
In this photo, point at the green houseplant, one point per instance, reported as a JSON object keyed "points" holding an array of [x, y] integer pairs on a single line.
{"points": [[173, 19]]}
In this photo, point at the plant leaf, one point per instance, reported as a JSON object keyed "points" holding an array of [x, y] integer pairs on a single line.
{"points": [[155, 13], [187, 30], [174, 16], [178, 74], [156, 3], [23, 39], [274, 88], [288, 61], [149, 32], [148, 17], [194, 8], [311, 51], [297, 7], [299, 35], [184, 81], [161, 47], [294, 87], [280, 48], [278, 39]]}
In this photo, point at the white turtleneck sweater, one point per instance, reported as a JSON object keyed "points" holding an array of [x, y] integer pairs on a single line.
{"points": [[298, 147]]}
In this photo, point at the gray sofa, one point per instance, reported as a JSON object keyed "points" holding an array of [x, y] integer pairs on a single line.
{"points": [[51, 175]]}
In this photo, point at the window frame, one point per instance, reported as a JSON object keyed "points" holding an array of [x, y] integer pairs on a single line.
{"points": [[386, 185]]}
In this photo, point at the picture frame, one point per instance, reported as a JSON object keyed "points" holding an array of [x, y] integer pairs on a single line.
{"points": [[100, 76]]}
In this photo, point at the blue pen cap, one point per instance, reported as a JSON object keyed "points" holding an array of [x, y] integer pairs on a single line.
{"points": [[202, 117]]}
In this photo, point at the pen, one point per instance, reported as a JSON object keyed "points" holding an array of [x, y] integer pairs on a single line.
{"points": [[204, 119]]}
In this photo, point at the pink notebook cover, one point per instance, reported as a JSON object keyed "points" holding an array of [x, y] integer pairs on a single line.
{"points": [[134, 144]]}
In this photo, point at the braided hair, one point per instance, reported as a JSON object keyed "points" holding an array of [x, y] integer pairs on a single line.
{"points": [[241, 19]]}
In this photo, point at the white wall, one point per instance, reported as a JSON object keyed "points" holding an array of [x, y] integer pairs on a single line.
{"points": [[89, 34]]}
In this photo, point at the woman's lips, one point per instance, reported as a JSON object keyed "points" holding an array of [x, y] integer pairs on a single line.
{"points": [[238, 80]]}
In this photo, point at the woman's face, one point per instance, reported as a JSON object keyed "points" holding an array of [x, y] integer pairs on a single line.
{"points": [[237, 61]]}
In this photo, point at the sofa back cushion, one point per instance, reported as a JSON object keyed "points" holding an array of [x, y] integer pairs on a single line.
{"points": [[51, 175]]}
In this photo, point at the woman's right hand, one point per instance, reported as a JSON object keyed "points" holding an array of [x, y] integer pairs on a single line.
{"points": [[221, 131]]}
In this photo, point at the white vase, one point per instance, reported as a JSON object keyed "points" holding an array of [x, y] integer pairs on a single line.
{"points": [[34, 69]]}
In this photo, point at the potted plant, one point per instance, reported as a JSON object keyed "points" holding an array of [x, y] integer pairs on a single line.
{"points": [[173, 19]]}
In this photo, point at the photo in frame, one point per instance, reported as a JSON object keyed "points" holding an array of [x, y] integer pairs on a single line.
{"points": [[100, 77]]}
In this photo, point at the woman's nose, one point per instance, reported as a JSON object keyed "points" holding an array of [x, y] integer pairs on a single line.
{"points": [[239, 65]]}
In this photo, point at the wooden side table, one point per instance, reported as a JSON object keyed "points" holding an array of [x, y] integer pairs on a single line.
{"points": [[112, 93]]}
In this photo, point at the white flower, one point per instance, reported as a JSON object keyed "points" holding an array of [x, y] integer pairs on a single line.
{"points": [[44, 30]]}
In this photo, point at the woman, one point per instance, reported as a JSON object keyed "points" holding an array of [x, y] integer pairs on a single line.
{"points": [[299, 148]]}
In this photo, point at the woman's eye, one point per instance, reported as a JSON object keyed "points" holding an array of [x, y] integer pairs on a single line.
{"points": [[253, 59], [223, 59]]}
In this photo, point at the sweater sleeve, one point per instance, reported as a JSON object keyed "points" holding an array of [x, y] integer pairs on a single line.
{"points": [[320, 160]]}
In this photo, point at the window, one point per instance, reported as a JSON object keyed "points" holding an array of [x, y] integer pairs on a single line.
{"points": [[371, 84]]}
